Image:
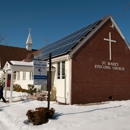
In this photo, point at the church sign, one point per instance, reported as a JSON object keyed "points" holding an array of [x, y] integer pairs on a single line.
{"points": [[109, 66], [40, 72]]}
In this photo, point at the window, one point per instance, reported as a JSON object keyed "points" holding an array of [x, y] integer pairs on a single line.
{"points": [[31, 75], [24, 75], [18, 75], [63, 69], [58, 70]]}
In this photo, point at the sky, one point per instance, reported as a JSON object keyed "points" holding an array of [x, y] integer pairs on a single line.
{"points": [[51, 20], [110, 115]]}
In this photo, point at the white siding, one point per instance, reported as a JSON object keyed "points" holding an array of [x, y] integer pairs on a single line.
{"points": [[29, 80], [24, 83], [62, 85]]}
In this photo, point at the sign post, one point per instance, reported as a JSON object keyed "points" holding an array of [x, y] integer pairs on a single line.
{"points": [[49, 83], [40, 76]]}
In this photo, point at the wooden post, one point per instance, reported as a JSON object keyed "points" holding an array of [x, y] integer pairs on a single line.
{"points": [[11, 85], [6, 78]]}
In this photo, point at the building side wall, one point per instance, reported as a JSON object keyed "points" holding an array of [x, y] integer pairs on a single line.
{"points": [[94, 77]]}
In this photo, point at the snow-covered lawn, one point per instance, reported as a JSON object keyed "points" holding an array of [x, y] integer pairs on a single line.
{"points": [[113, 115]]}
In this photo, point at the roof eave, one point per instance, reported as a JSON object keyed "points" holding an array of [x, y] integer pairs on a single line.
{"points": [[121, 34], [89, 36], [95, 30]]}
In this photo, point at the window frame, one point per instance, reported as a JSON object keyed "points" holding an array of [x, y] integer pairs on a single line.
{"points": [[61, 70]]}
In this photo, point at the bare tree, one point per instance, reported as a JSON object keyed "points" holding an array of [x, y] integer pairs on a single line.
{"points": [[2, 37]]}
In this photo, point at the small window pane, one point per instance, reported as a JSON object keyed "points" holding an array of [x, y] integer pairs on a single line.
{"points": [[63, 69], [24, 75], [31, 76], [58, 70]]}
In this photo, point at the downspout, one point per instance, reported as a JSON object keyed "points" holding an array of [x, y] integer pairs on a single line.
{"points": [[65, 87], [70, 73]]}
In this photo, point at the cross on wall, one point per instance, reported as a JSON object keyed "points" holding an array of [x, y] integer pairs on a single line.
{"points": [[110, 42]]}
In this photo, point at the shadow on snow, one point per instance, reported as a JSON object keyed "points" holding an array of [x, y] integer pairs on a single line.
{"points": [[57, 115]]}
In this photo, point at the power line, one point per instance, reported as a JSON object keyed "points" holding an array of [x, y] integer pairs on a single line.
{"points": [[123, 10]]}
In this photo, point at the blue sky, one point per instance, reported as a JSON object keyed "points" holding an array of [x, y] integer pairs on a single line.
{"points": [[51, 20]]}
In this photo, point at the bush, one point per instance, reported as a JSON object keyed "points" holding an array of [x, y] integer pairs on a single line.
{"points": [[40, 115], [31, 89], [53, 94], [17, 87], [24, 91]]}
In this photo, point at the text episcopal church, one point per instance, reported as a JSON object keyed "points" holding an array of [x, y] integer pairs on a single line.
{"points": [[92, 64]]}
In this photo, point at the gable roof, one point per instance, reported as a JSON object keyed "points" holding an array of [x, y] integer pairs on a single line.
{"points": [[8, 53], [64, 45], [31, 56], [71, 43]]}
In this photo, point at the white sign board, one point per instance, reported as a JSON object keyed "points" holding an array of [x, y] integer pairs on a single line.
{"points": [[40, 72]]}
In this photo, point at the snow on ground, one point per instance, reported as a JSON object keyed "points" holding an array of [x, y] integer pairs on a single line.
{"points": [[113, 115]]}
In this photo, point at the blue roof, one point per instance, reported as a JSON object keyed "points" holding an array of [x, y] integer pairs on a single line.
{"points": [[66, 44]]}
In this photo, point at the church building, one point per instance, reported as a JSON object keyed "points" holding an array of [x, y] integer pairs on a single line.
{"points": [[91, 64], [8, 53]]}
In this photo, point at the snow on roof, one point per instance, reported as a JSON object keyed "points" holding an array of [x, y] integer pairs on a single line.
{"points": [[22, 63]]}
